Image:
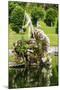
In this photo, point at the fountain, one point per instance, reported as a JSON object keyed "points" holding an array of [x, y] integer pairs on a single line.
{"points": [[35, 56]]}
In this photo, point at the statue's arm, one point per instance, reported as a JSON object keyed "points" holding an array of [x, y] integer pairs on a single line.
{"points": [[26, 25]]}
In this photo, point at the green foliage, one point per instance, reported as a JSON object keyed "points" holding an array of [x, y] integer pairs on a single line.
{"points": [[36, 14], [51, 14], [11, 6], [21, 47], [13, 36], [54, 78], [17, 17], [47, 6]]}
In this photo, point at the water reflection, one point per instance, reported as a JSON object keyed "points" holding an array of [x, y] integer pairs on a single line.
{"points": [[26, 77]]}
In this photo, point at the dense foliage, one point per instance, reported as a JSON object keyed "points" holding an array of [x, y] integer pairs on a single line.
{"points": [[51, 15], [20, 47], [36, 14], [17, 17], [11, 6], [45, 12]]}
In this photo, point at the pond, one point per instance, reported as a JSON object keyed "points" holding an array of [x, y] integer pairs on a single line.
{"points": [[26, 77]]}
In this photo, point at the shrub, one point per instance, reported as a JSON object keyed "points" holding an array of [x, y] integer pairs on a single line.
{"points": [[36, 14], [51, 14], [17, 17], [11, 6], [20, 47]]}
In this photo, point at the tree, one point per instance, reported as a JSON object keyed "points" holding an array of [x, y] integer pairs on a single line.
{"points": [[17, 17], [36, 14], [51, 14], [11, 6]]}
